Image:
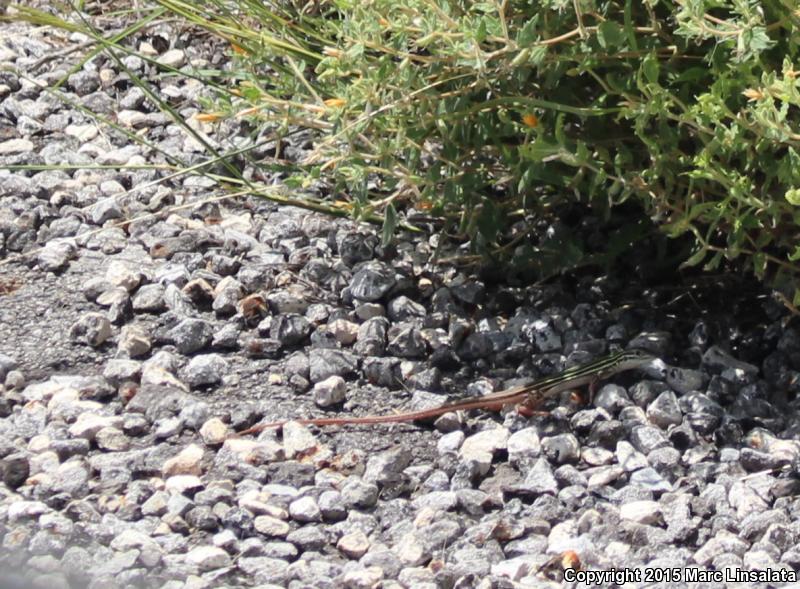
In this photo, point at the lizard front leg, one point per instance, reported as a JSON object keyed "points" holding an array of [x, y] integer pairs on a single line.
{"points": [[591, 389], [528, 408]]}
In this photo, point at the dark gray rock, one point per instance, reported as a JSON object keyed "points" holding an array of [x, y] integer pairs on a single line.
{"points": [[685, 380], [648, 438], [406, 342], [290, 329], [664, 411], [403, 308], [612, 398], [327, 362], [372, 281], [14, 470], [159, 402]]}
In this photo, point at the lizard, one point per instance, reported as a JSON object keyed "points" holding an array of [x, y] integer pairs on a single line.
{"points": [[530, 395]]}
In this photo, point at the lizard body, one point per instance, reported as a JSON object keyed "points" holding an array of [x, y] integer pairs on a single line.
{"points": [[531, 395]]}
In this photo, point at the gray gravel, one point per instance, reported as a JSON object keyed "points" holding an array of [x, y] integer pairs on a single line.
{"points": [[129, 352]]}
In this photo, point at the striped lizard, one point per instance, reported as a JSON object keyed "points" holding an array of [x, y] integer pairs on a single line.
{"points": [[530, 396]]}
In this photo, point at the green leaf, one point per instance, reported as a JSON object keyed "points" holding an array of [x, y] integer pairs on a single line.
{"points": [[485, 7], [527, 34], [480, 33], [356, 51], [696, 258], [713, 264], [610, 35], [629, 27], [582, 153], [251, 94], [526, 180], [789, 167], [650, 68], [389, 225], [538, 54], [760, 264], [538, 150], [295, 181], [692, 74], [793, 196], [561, 137], [751, 42]]}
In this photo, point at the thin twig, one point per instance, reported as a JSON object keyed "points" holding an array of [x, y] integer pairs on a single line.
{"points": [[59, 54]]}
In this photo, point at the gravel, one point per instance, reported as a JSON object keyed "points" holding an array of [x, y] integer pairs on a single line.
{"points": [[129, 352]]}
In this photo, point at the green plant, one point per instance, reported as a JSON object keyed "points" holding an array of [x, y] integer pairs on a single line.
{"points": [[488, 113]]}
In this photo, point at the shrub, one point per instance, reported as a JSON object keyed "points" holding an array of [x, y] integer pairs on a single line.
{"points": [[486, 113]]}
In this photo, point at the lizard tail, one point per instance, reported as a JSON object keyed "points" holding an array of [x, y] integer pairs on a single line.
{"points": [[372, 419], [423, 414]]}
